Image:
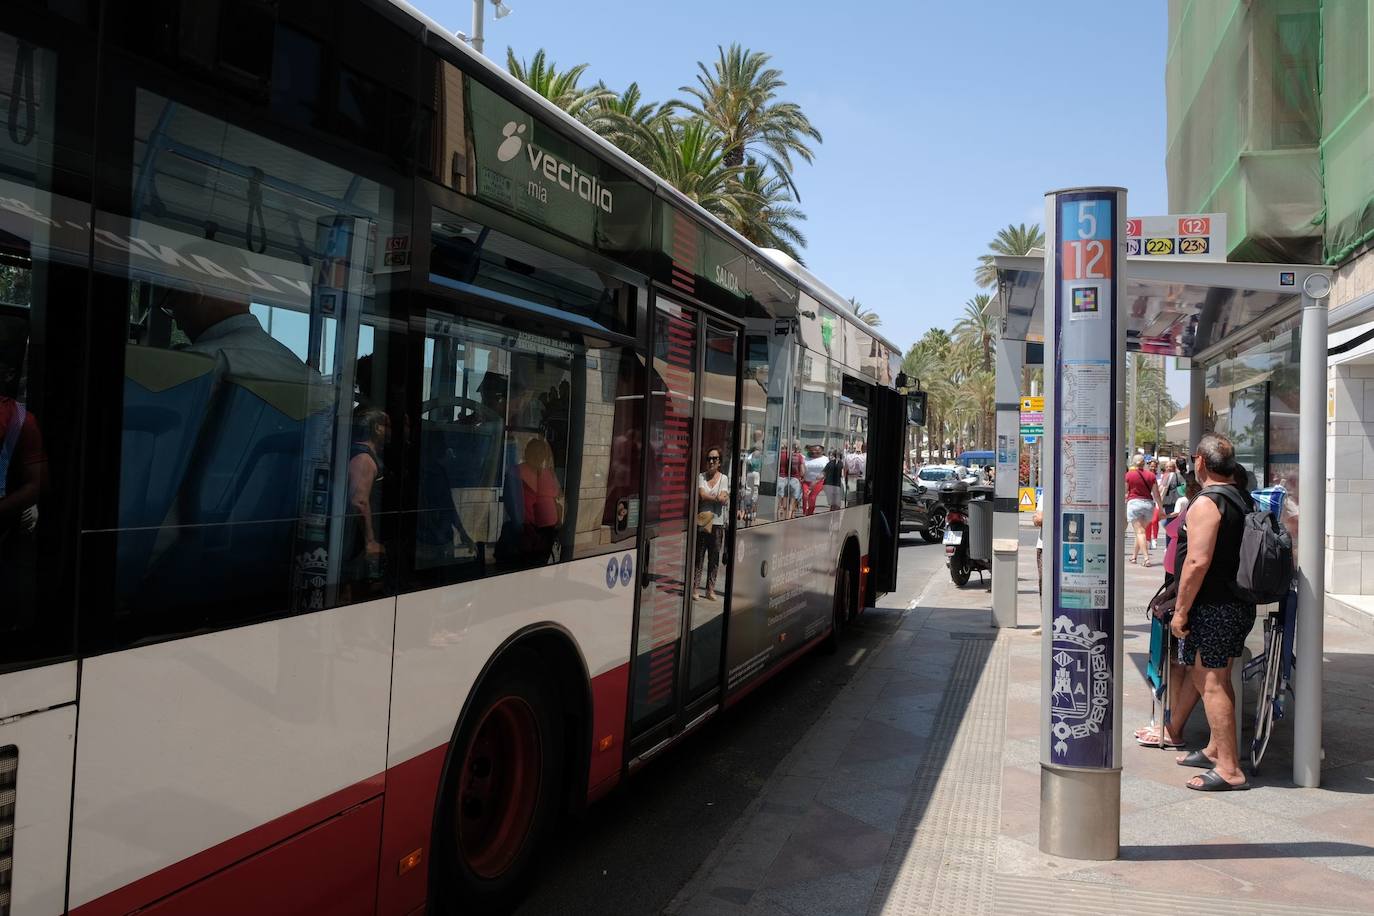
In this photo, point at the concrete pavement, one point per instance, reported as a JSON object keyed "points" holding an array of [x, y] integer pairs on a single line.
{"points": [[917, 791]]}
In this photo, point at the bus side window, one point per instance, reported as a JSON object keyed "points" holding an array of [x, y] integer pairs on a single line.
{"points": [[529, 451], [256, 437]]}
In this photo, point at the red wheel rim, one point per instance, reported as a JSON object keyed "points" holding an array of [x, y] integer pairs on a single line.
{"points": [[499, 787]]}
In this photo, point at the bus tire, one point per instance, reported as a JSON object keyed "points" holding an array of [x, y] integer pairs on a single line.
{"points": [[501, 798], [846, 583]]}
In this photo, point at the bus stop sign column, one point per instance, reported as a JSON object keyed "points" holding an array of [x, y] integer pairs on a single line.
{"points": [[1081, 663]]}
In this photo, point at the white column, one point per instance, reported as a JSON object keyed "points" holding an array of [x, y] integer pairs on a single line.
{"points": [[1307, 676], [1006, 523]]}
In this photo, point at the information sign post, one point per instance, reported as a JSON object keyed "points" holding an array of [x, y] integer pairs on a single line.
{"points": [[1080, 705]]}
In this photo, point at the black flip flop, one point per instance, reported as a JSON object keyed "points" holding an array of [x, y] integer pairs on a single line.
{"points": [[1197, 759], [1212, 781]]}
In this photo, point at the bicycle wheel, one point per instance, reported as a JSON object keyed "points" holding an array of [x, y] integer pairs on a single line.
{"points": [[1264, 705]]}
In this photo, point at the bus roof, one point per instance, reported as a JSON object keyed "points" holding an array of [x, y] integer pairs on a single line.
{"points": [[796, 272]]}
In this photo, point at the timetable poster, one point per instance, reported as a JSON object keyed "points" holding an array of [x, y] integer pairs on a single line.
{"points": [[1082, 675]]}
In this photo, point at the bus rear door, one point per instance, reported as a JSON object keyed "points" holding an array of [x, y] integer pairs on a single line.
{"points": [[685, 578], [887, 444]]}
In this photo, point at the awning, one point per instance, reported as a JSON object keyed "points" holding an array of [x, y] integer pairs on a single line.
{"points": [[1177, 308]]}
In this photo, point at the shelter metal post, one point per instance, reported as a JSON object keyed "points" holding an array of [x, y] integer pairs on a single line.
{"points": [[1307, 676], [1006, 523], [1197, 394]]}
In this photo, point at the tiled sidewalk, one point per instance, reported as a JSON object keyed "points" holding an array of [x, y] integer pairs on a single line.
{"points": [[1275, 844], [918, 792]]}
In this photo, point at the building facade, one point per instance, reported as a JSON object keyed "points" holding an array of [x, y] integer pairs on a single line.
{"points": [[1271, 121]]}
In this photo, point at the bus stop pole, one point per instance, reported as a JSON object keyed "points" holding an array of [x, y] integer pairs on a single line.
{"points": [[1084, 591], [1311, 497], [1006, 522]]}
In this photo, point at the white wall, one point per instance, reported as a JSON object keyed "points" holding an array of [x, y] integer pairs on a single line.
{"points": [[1350, 476]]}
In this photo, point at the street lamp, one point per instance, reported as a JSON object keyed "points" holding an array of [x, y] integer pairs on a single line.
{"points": [[478, 8]]}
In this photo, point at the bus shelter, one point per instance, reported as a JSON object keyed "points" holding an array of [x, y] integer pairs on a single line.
{"points": [[1208, 314]]}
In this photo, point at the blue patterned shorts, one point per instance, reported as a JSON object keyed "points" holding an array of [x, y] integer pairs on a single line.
{"points": [[1218, 631]]}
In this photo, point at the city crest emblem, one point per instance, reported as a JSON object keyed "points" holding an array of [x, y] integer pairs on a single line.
{"points": [[1080, 688]]}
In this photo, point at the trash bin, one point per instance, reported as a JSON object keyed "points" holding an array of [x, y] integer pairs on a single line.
{"points": [[980, 530]]}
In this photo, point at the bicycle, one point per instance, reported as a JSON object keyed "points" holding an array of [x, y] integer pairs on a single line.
{"points": [[1276, 661], [1276, 664]]}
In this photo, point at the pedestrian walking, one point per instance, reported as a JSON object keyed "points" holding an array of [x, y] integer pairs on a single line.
{"points": [[1141, 502]]}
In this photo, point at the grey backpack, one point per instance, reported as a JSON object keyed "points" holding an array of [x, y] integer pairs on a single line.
{"points": [[1265, 570]]}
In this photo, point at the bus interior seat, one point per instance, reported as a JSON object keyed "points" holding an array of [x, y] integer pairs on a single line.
{"points": [[167, 394], [240, 502]]}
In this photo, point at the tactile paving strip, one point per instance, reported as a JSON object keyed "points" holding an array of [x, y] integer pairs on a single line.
{"points": [[1059, 897], [944, 855]]}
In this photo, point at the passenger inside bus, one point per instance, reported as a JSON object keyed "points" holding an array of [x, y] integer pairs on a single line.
{"points": [[543, 502], [216, 439], [23, 477], [365, 550]]}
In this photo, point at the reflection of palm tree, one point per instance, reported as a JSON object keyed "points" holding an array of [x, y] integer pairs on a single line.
{"points": [[1013, 240], [866, 315]]}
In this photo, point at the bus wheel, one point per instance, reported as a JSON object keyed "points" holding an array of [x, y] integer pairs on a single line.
{"points": [[505, 788], [844, 604]]}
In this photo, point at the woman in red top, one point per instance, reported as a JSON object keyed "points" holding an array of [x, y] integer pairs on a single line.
{"points": [[543, 501], [1141, 500]]}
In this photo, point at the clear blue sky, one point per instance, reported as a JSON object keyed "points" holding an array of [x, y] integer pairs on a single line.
{"points": [[943, 122]]}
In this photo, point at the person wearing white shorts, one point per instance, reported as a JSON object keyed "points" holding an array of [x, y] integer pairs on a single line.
{"points": [[1141, 498]]}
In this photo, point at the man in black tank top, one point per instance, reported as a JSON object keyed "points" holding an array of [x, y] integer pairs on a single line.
{"points": [[1208, 619]]}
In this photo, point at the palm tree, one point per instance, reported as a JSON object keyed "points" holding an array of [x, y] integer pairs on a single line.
{"points": [[559, 87], [1013, 240], [738, 98], [964, 358], [626, 119], [978, 326], [866, 315], [928, 362], [768, 217], [922, 367], [688, 155], [982, 389]]}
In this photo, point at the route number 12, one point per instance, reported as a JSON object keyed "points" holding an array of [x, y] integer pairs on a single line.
{"points": [[1086, 260]]}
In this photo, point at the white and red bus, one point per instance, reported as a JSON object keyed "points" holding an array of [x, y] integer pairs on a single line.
{"points": [[357, 412]]}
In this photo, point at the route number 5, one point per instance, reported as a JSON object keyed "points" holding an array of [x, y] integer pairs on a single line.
{"points": [[1087, 220]]}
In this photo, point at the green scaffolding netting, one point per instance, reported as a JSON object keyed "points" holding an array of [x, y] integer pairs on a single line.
{"points": [[1270, 121], [1347, 146]]}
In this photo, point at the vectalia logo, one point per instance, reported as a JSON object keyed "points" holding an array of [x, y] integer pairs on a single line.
{"points": [[545, 164], [510, 147]]}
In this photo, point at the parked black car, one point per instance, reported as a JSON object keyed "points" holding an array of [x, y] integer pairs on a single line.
{"points": [[922, 508]]}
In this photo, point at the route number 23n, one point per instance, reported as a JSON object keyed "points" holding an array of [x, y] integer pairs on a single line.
{"points": [[1085, 258]]}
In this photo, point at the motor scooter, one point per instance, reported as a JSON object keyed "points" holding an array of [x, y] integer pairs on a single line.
{"points": [[956, 495]]}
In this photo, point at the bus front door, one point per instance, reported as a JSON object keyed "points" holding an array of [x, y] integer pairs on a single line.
{"points": [[685, 561]]}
